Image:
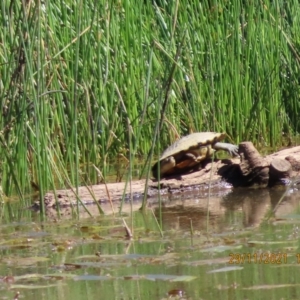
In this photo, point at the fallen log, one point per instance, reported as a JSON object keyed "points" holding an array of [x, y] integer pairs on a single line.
{"points": [[215, 178]]}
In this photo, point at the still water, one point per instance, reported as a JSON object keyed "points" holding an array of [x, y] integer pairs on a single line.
{"points": [[239, 246]]}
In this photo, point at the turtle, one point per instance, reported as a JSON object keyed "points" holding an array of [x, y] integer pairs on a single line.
{"points": [[189, 151]]}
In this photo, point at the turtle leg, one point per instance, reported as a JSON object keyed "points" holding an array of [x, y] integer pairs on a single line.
{"points": [[167, 165], [230, 148], [190, 159], [163, 167]]}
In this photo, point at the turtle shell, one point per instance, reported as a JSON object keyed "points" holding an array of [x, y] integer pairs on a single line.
{"points": [[186, 153]]}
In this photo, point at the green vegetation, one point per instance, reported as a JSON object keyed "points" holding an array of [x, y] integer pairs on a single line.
{"points": [[85, 81]]}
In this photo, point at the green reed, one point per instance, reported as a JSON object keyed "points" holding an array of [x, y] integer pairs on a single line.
{"points": [[84, 82]]}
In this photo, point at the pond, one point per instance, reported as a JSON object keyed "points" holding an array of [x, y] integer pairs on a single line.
{"points": [[243, 245]]}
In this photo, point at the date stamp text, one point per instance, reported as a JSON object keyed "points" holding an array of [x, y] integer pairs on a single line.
{"points": [[259, 258]]}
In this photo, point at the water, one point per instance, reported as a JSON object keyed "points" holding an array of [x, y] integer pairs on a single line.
{"points": [[245, 246]]}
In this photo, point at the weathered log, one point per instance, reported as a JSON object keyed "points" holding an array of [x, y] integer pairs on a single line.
{"points": [[280, 169], [254, 169], [294, 163], [215, 178]]}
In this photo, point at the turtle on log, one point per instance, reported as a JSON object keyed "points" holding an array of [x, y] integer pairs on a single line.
{"points": [[189, 151]]}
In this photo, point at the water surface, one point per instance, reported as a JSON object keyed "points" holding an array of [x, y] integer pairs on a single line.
{"points": [[239, 246]]}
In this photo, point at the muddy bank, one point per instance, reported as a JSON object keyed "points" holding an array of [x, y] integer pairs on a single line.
{"points": [[216, 178]]}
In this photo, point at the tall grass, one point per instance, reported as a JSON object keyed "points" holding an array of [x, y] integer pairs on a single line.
{"points": [[86, 81]]}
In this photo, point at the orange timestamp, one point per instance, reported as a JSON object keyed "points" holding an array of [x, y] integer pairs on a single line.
{"points": [[259, 258]]}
